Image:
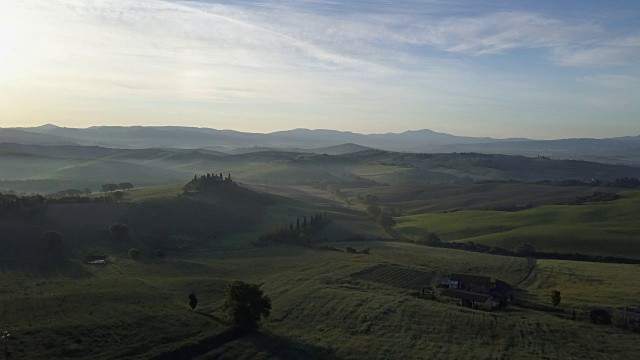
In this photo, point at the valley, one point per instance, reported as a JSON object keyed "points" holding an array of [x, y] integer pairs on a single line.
{"points": [[207, 237]]}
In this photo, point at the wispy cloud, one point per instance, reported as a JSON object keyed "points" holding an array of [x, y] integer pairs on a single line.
{"points": [[613, 80], [408, 58]]}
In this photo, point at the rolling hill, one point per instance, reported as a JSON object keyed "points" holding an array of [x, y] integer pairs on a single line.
{"points": [[623, 150]]}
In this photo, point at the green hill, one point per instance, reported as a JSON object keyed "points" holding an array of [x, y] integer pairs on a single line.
{"points": [[603, 228]]}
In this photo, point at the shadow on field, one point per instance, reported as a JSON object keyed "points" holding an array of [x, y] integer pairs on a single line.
{"points": [[235, 343], [277, 347], [43, 266], [212, 317]]}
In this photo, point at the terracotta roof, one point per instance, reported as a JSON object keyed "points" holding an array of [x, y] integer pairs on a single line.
{"points": [[471, 278], [465, 295]]}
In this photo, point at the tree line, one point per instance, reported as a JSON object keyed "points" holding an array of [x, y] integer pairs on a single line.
{"points": [[333, 190], [17, 204], [522, 250], [105, 188], [380, 217], [10, 203], [300, 233], [208, 180], [628, 182]]}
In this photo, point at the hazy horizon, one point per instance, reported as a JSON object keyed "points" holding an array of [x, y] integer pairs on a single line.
{"points": [[316, 129], [500, 69]]}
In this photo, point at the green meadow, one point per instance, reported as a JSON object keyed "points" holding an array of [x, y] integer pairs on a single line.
{"points": [[584, 284], [138, 310], [56, 306], [603, 228]]}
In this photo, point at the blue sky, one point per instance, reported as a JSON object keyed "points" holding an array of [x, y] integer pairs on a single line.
{"points": [[537, 69]]}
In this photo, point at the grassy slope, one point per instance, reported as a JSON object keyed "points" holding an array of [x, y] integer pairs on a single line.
{"points": [[421, 198], [84, 313], [584, 284], [606, 228], [319, 311]]}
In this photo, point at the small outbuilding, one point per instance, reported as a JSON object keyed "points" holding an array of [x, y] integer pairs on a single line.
{"points": [[95, 259]]}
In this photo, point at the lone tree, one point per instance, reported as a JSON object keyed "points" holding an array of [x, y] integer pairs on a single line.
{"points": [[134, 254], [52, 238], [555, 297], [245, 304], [119, 230], [193, 301]]}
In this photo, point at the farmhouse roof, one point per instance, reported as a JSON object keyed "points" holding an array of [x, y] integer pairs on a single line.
{"points": [[471, 278], [502, 286], [465, 295]]}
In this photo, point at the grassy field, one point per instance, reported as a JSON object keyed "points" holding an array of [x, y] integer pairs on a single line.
{"points": [[605, 228], [92, 312], [416, 199], [57, 307], [584, 285], [319, 309]]}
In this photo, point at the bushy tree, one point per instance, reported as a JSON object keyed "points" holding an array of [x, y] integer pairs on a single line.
{"points": [[386, 221], [119, 230], [125, 186], [134, 254], [108, 187], [193, 301], [52, 238], [524, 249], [374, 211], [432, 239], [246, 304], [555, 297]]}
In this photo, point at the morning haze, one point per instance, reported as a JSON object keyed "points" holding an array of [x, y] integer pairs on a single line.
{"points": [[319, 179]]}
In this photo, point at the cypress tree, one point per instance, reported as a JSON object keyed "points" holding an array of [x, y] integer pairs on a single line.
{"points": [[298, 224], [304, 223], [291, 227]]}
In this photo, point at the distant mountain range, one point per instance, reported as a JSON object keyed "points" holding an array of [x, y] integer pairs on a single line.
{"points": [[622, 150]]}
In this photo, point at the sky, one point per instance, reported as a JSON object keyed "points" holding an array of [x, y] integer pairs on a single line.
{"points": [[537, 69]]}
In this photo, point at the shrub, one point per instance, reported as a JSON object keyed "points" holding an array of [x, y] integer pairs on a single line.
{"points": [[52, 238], [119, 230], [134, 254], [193, 301], [555, 297], [600, 316]]}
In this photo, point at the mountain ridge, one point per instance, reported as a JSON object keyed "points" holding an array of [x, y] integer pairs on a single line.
{"points": [[623, 150]]}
